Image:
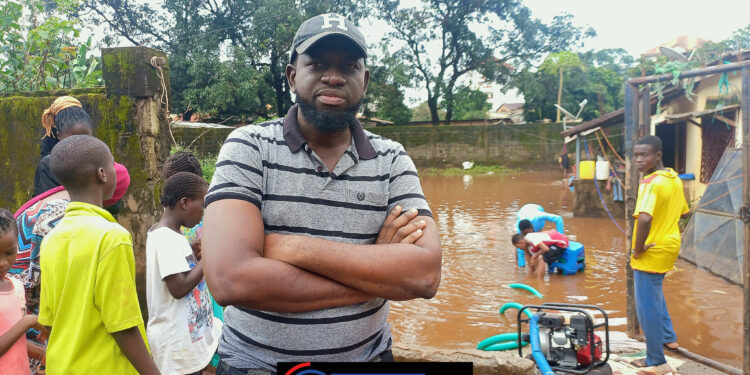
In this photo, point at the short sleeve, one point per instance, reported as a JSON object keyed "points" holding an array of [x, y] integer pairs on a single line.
{"points": [[114, 292], [646, 201], [405, 189], [534, 238], [46, 313], [239, 169], [170, 254]]}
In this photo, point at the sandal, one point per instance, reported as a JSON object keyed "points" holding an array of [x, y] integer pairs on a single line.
{"points": [[673, 346], [639, 363], [663, 369]]}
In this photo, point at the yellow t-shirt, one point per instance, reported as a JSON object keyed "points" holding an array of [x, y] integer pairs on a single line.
{"points": [[660, 195], [88, 292]]}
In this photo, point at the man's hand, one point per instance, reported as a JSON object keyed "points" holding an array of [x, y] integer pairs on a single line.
{"points": [[401, 228]]}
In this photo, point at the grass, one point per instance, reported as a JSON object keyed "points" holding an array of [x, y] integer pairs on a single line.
{"points": [[477, 169], [208, 162]]}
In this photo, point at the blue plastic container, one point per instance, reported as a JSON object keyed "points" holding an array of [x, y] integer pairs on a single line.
{"points": [[571, 261]]}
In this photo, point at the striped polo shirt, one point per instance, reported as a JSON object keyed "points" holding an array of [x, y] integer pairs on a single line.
{"points": [[272, 166]]}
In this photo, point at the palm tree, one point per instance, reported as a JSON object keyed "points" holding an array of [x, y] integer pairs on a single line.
{"points": [[557, 63]]}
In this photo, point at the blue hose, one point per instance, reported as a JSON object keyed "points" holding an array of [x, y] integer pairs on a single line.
{"points": [[536, 351]]}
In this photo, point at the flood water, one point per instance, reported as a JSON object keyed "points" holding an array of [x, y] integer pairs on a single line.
{"points": [[476, 218]]}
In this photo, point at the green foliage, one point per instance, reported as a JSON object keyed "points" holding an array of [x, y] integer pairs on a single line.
{"points": [[43, 55], [208, 162], [477, 169], [422, 113], [469, 104], [227, 58], [597, 76], [385, 93], [486, 37], [558, 61]]}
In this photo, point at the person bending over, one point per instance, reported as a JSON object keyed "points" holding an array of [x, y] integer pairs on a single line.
{"points": [[542, 248]]}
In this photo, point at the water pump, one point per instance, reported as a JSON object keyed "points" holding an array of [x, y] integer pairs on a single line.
{"points": [[566, 338]]}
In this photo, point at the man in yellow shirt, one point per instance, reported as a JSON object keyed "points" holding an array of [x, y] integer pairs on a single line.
{"points": [[656, 244], [88, 295]]}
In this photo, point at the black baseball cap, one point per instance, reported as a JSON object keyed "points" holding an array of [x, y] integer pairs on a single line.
{"points": [[324, 25]]}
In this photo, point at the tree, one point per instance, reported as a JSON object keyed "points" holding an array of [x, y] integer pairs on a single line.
{"points": [[558, 63], [740, 40], [389, 77], [470, 104], [491, 37], [422, 113], [257, 34], [40, 52], [599, 79]]}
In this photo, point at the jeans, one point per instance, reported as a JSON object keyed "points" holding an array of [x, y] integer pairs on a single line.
{"points": [[653, 316]]}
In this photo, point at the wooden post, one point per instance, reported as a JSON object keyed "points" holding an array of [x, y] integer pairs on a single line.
{"points": [[644, 112], [578, 157], [631, 193], [745, 108]]}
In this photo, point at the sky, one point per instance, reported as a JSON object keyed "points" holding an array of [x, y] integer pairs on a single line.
{"points": [[635, 25]]}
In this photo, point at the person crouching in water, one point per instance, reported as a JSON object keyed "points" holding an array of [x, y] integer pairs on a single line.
{"points": [[541, 248], [182, 330]]}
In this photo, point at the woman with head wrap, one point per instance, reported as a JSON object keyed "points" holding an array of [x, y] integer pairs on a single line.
{"points": [[65, 117]]}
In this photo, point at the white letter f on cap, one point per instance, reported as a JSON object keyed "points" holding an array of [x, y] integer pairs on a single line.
{"points": [[340, 21]]}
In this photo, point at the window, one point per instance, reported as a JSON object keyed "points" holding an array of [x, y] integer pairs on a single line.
{"points": [[717, 136]]}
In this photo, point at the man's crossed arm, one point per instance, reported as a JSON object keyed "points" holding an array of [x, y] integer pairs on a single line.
{"points": [[290, 273]]}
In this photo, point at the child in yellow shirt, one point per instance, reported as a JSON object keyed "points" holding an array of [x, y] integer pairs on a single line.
{"points": [[88, 293]]}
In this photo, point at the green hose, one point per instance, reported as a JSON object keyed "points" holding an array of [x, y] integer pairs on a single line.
{"points": [[514, 305], [503, 341], [526, 288], [504, 346]]}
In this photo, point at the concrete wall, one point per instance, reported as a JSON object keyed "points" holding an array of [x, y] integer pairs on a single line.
{"points": [[485, 363], [204, 141], [586, 201], [134, 128], [511, 145]]}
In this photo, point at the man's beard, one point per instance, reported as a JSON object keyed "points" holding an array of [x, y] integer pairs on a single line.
{"points": [[328, 121]]}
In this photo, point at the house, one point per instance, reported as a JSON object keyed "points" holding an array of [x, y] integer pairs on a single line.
{"points": [[695, 131], [509, 113], [682, 44]]}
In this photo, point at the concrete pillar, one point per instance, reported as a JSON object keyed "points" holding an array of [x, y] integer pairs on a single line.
{"points": [[141, 75]]}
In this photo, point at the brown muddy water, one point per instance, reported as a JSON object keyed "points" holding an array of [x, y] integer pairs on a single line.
{"points": [[476, 216]]}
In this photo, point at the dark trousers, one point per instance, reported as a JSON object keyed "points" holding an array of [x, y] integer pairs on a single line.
{"points": [[225, 369]]}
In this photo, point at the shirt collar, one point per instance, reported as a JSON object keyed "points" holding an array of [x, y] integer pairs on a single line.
{"points": [[87, 209], [295, 140]]}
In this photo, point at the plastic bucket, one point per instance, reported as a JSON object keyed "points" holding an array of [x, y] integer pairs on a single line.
{"points": [[587, 170], [602, 170]]}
